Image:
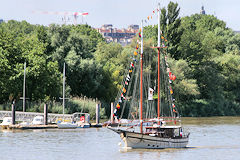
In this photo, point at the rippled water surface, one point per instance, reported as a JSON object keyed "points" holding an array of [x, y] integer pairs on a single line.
{"points": [[210, 139]]}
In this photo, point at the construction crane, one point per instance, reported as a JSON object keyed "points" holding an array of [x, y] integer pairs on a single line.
{"points": [[65, 15]]}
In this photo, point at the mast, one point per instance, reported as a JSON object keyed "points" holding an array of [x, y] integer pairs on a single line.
{"points": [[63, 87], [159, 45], [141, 81], [24, 83]]}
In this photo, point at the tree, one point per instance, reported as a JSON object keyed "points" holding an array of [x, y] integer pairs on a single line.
{"points": [[19, 43]]}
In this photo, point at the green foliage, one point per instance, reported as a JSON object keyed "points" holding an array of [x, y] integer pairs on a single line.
{"points": [[203, 54], [109, 56]]}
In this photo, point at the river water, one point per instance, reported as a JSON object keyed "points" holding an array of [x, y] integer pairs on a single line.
{"points": [[210, 139]]}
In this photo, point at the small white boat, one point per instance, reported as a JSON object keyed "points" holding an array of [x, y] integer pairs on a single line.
{"points": [[66, 125], [38, 120], [6, 122], [82, 120]]}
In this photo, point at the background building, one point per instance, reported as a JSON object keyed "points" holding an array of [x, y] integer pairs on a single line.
{"points": [[122, 36]]}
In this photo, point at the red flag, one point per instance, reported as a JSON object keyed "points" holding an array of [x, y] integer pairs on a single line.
{"points": [[132, 65], [139, 34], [123, 96]]}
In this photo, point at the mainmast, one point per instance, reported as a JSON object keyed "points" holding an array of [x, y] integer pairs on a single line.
{"points": [[158, 47], [141, 81]]}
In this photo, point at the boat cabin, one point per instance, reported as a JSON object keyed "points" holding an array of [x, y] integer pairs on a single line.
{"points": [[164, 131], [81, 117], [38, 120]]}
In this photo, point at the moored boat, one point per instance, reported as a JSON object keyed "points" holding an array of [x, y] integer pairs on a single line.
{"points": [[66, 125]]}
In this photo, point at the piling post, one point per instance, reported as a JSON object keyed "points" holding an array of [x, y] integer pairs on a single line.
{"points": [[45, 114], [13, 113], [97, 113], [112, 112]]}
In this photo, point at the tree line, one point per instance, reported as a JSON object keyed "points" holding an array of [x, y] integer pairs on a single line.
{"points": [[203, 54]]}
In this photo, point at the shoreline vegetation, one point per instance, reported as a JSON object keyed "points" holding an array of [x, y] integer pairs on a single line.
{"points": [[203, 53]]}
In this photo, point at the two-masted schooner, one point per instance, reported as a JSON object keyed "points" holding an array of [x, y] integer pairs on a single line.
{"points": [[159, 132]]}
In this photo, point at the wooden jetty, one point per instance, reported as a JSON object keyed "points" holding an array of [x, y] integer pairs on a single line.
{"points": [[25, 127]]}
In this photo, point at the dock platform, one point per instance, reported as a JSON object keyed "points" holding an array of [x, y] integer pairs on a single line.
{"points": [[24, 127]]}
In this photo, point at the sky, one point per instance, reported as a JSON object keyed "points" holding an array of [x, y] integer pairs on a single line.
{"points": [[120, 13]]}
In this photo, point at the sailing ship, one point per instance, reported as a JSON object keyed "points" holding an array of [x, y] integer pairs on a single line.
{"points": [[163, 131], [63, 124]]}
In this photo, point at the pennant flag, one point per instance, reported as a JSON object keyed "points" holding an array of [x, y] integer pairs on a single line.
{"points": [[120, 100], [130, 71], [151, 17], [132, 65], [115, 111], [173, 105], [165, 40], [171, 91], [139, 34], [148, 17], [162, 37], [153, 11], [174, 110], [124, 90], [118, 106], [173, 77], [134, 59], [135, 53], [126, 82], [123, 96], [137, 46]]}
